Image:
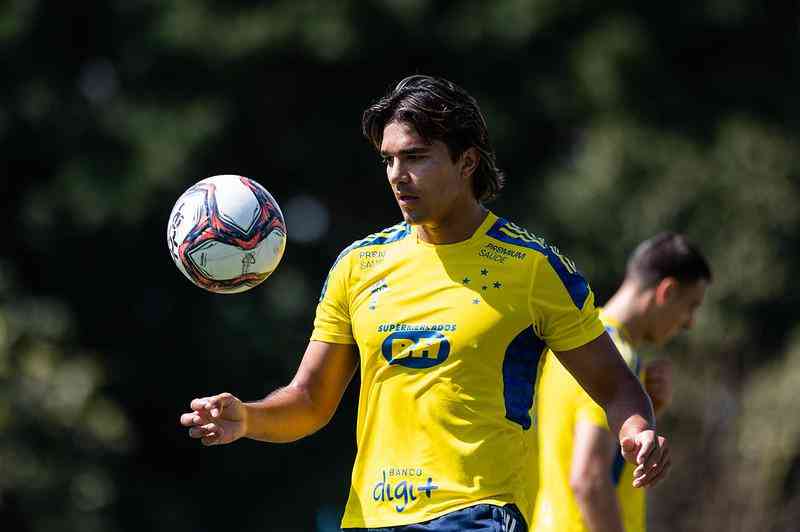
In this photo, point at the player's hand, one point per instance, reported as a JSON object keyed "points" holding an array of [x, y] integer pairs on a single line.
{"points": [[658, 383], [650, 454], [216, 420]]}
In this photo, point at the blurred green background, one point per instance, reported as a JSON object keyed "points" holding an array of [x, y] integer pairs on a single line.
{"points": [[614, 120]]}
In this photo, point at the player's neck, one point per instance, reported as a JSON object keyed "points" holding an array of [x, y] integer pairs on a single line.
{"points": [[625, 308], [458, 226]]}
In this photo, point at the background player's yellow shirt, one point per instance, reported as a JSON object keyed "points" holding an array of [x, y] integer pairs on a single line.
{"points": [[560, 403], [449, 338]]}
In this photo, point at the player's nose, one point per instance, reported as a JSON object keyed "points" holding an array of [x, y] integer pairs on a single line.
{"points": [[397, 173]]}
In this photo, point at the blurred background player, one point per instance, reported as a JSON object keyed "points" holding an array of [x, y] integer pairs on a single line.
{"points": [[584, 486], [446, 314]]}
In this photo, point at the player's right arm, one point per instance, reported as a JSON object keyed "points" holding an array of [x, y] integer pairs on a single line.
{"points": [[593, 454], [309, 401], [287, 414]]}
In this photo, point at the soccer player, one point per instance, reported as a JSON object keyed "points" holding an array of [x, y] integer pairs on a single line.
{"points": [[583, 486], [445, 315]]}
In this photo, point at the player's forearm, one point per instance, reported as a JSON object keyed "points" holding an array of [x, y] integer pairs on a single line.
{"points": [[597, 502], [286, 415], [629, 411]]}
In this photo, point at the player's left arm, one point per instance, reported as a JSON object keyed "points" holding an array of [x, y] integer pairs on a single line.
{"points": [[593, 453], [602, 372]]}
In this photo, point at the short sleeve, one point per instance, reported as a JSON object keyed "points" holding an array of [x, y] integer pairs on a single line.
{"points": [[562, 304], [332, 322]]}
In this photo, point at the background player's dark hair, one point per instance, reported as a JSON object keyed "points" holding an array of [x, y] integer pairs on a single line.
{"points": [[667, 255], [439, 110]]}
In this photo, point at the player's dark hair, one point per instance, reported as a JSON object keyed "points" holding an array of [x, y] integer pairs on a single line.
{"points": [[439, 109], [667, 254]]}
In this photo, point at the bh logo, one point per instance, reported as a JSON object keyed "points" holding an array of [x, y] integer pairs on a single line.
{"points": [[416, 349]]}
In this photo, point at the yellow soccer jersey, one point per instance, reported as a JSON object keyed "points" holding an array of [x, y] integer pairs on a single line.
{"points": [[560, 403], [449, 338]]}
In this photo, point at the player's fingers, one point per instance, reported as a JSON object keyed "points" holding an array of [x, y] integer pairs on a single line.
{"points": [[659, 458], [191, 418], [215, 405], [637, 476], [629, 448], [199, 403], [652, 476], [654, 466], [640, 472], [648, 445], [661, 474], [214, 437], [653, 479], [202, 431]]}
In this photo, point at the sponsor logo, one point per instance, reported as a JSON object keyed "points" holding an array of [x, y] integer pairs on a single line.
{"points": [[416, 348], [401, 493], [500, 253], [402, 327], [368, 259]]}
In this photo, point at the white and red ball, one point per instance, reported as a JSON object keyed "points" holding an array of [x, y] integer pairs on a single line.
{"points": [[226, 234]]}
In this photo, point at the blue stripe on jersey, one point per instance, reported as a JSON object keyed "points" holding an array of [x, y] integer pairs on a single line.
{"points": [[574, 282], [519, 375], [386, 236], [617, 467]]}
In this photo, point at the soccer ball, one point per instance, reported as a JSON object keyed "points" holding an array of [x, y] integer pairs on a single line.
{"points": [[226, 234]]}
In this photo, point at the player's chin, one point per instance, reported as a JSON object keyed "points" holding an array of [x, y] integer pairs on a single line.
{"points": [[413, 216]]}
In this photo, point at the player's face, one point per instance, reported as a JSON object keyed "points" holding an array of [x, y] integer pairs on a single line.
{"points": [[429, 187], [678, 312]]}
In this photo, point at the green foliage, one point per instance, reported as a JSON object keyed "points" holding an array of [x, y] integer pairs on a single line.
{"points": [[58, 422]]}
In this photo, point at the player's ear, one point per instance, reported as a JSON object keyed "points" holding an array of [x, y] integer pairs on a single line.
{"points": [[469, 161], [666, 290]]}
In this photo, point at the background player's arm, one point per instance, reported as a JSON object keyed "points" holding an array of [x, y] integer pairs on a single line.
{"points": [[601, 371], [658, 384], [593, 454], [287, 414]]}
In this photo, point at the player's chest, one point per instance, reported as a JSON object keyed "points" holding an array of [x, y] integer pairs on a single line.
{"points": [[432, 305]]}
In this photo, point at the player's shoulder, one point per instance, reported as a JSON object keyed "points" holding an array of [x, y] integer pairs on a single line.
{"points": [[367, 245], [510, 233], [383, 237], [542, 252]]}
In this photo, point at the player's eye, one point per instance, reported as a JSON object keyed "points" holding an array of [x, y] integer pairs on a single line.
{"points": [[386, 161]]}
